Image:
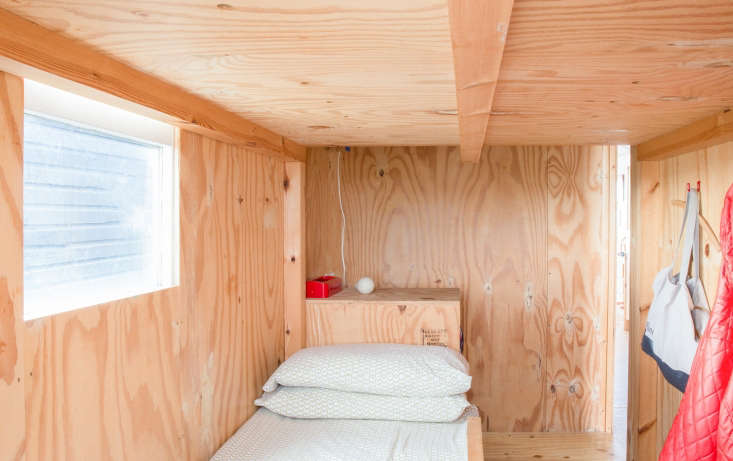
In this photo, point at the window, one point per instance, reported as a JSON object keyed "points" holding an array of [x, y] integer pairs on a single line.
{"points": [[100, 203]]}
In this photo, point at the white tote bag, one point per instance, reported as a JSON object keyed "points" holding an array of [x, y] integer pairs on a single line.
{"points": [[679, 312]]}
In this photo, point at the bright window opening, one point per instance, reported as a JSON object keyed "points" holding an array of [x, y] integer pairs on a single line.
{"points": [[100, 203]]}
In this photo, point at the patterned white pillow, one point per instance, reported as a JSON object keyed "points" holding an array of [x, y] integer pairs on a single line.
{"points": [[316, 403], [384, 369]]}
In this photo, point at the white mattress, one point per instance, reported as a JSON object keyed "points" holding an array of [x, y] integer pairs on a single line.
{"points": [[268, 436]]}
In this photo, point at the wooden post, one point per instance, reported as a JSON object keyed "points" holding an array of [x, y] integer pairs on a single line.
{"points": [[12, 395], [646, 229], [294, 234]]}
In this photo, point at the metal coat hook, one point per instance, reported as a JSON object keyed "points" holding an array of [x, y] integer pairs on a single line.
{"points": [[705, 223]]}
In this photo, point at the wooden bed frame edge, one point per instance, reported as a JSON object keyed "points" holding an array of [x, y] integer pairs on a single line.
{"points": [[475, 439]]}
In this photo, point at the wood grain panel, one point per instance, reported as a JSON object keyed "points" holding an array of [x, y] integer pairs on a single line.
{"points": [[172, 374], [44, 51], [661, 183], [579, 212], [417, 217], [324, 72], [12, 377], [404, 316]]}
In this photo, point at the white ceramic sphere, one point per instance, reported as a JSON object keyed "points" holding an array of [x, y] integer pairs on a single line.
{"points": [[365, 285]]}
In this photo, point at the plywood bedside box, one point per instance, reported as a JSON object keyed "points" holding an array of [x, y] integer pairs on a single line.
{"points": [[427, 316]]}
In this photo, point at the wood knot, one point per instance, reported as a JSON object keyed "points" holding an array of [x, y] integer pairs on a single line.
{"points": [[240, 199], [553, 389], [381, 172], [402, 308], [225, 6], [287, 332], [286, 183], [292, 259]]}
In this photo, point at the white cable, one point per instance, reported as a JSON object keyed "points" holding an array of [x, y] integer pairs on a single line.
{"points": [[343, 215]]}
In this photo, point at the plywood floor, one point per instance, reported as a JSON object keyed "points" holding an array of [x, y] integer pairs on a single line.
{"points": [[549, 446]]}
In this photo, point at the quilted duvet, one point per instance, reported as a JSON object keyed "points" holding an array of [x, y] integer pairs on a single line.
{"points": [[703, 427]]}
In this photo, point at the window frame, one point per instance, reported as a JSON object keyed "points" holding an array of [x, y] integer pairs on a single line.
{"points": [[78, 111]]}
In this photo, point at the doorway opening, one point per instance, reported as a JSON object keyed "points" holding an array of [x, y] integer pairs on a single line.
{"points": [[622, 308]]}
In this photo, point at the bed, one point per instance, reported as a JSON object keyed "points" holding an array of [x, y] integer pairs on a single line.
{"points": [[269, 436]]}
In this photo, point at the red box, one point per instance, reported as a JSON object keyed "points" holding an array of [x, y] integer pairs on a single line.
{"points": [[322, 287]]}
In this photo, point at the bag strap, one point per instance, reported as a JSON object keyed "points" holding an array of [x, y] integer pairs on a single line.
{"points": [[676, 254], [691, 234]]}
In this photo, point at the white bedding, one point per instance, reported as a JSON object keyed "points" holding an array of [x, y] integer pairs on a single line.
{"points": [[315, 403], [270, 437]]}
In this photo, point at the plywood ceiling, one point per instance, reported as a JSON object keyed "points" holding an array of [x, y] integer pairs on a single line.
{"points": [[381, 72]]}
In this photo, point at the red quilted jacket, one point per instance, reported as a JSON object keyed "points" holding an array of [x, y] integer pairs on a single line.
{"points": [[703, 427]]}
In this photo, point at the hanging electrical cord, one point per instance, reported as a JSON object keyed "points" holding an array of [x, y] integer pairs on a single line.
{"points": [[343, 215]]}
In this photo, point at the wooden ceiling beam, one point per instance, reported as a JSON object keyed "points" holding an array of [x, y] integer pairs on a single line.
{"points": [[478, 34], [35, 47], [707, 132]]}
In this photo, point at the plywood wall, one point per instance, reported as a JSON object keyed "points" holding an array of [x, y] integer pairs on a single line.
{"points": [[657, 231], [524, 234], [169, 375]]}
